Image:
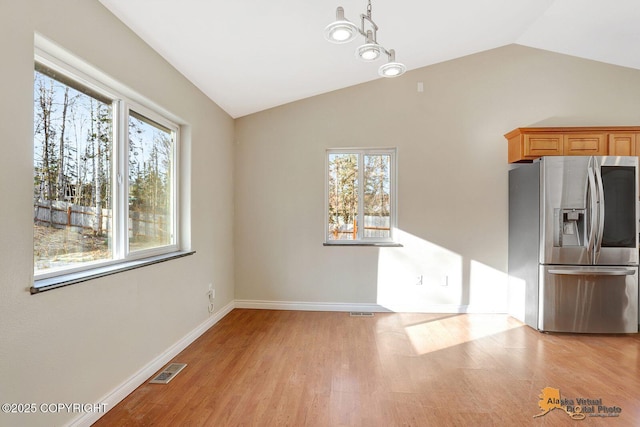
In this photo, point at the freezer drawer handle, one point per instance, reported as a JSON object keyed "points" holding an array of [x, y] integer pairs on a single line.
{"points": [[594, 272]]}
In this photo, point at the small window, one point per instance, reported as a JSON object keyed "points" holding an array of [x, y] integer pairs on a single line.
{"points": [[105, 175], [360, 196]]}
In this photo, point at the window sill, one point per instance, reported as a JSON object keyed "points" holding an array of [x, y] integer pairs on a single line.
{"points": [[49, 283], [376, 244]]}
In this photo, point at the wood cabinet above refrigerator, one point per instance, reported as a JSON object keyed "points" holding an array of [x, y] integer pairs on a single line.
{"points": [[528, 144]]}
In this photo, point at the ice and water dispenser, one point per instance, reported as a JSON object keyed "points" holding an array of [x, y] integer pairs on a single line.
{"points": [[570, 227]]}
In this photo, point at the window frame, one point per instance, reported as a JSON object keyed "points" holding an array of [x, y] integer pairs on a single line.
{"points": [[175, 129], [123, 102], [393, 209]]}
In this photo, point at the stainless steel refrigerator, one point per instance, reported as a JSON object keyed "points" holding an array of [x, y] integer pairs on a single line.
{"points": [[573, 243]]}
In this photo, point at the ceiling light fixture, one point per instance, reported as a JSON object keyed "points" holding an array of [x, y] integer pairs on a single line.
{"points": [[343, 31]]}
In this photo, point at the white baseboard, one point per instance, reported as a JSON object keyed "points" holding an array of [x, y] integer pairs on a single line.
{"points": [[114, 397], [309, 306], [480, 309], [378, 308], [427, 308], [443, 309]]}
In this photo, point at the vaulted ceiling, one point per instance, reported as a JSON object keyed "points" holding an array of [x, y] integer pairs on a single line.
{"points": [[250, 55]]}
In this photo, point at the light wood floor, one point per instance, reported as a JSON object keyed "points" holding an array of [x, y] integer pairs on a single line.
{"points": [[289, 368]]}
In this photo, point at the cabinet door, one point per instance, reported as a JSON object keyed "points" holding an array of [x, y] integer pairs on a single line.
{"points": [[542, 144], [591, 144], [622, 144]]}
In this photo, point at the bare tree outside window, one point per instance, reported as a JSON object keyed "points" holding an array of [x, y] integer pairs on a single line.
{"points": [[72, 175]]}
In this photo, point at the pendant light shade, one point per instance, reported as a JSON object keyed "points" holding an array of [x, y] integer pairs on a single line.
{"points": [[370, 51], [341, 30], [392, 68]]}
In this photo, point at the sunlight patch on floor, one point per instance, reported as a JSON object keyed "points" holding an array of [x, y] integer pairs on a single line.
{"points": [[452, 331]]}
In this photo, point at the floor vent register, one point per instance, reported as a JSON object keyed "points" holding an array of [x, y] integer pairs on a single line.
{"points": [[168, 373], [360, 314]]}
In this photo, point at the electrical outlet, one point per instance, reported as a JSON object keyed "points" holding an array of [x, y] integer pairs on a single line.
{"points": [[211, 294]]}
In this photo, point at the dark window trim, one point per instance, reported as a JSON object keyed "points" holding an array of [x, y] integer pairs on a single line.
{"points": [[49, 283]]}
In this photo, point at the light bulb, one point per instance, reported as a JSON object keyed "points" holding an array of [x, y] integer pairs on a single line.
{"points": [[368, 52], [392, 69], [340, 34]]}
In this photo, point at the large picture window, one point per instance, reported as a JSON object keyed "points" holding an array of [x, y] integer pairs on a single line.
{"points": [[360, 196], [104, 182]]}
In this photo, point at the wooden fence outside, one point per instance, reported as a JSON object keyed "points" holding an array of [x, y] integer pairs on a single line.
{"points": [[374, 226], [61, 214]]}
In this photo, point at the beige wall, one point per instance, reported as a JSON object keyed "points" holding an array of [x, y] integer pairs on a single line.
{"points": [[452, 177], [78, 343]]}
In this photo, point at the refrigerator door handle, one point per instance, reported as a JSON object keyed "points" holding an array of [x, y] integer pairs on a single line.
{"points": [[595, 272], [600, 202], [593, 204]]}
